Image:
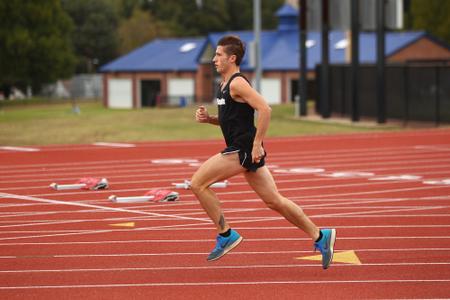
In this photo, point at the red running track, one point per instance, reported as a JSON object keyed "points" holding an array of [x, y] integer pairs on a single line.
{"points": [[387, 194]]}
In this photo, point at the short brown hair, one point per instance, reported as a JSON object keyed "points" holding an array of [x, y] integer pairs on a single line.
{"points": [[233, 45]]}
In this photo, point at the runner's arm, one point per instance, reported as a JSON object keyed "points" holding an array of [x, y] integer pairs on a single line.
{"points": [[241, 90], [202, 116]]}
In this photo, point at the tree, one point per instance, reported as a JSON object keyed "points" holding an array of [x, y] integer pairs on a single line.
{"points": [[185, 18], [141, 28], [35, 45], [241, 14], [432, 16], [95, 37]]}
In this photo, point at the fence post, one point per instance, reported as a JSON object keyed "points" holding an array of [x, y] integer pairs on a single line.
{"points": [[406, 94], [355, 60], [325, 86], [380, 13], [302, 80], [438, 98]]}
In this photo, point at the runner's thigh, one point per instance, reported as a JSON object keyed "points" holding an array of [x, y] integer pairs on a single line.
{"points": [[262, 183], [216, 168]]}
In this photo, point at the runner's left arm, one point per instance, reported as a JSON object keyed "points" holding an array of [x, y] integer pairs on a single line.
{"points": [[241, 90]]}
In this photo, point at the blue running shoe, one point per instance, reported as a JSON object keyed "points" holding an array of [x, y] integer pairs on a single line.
{"points": [[326, 246], [224, 245]]}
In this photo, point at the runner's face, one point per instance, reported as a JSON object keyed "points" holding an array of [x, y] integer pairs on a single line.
{"points": [[222, 60]]}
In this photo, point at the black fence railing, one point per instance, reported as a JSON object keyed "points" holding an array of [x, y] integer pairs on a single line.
{"points": [[413, 92]]}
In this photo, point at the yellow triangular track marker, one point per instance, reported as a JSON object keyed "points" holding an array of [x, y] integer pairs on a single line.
{"points": [[346, 257], [128, 224]]}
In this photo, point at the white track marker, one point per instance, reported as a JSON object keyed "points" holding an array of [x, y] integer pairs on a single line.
{"points": [[60, 187], [438, 182], [117, 145], [23, 149], [397, 177], [174, 161], [187, 184], [300, 170], [348, 174], [132, 199]]}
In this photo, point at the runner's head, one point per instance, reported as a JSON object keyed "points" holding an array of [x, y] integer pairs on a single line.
{"points": [[232, 45]]}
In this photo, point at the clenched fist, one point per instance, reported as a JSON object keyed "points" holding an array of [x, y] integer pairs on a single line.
{"points": [[201, 115]]}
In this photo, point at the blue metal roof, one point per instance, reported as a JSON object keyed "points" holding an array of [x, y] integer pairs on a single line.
{"points": [[280, 51], [161, 55]]}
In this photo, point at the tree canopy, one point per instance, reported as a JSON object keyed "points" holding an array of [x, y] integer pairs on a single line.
{"points": [[432, 16], [139, 29], [35, 45], [95, 36]]}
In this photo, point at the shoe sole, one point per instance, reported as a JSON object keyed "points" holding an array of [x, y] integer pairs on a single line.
{"points": [[332, 241], [231, 247]]}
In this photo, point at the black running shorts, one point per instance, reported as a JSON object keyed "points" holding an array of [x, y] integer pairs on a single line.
{"points": [[245, 158]]}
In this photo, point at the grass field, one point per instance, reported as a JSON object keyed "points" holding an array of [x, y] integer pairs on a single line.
{"points": [[44, 123]]}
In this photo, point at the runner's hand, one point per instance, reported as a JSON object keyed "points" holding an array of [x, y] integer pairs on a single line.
{"points": [[201, 115], [257, 153]]}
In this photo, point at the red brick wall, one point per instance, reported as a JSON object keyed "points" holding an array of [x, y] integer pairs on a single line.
{"points": [[204, 83]]}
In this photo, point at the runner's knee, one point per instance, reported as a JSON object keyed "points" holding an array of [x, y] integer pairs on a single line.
{"points": [[197, 186], [274, 202]]}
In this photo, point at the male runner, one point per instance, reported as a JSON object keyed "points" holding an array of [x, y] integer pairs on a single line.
{"points": [[237, 102]]}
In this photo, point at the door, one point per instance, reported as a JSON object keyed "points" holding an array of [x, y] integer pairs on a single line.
{"points": [[150, 91]]}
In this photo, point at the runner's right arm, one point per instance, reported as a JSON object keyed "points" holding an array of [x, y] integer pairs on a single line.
{"points": [[202, 116]]}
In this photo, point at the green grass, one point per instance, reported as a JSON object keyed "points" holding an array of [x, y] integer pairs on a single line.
{"points": [[50, 122]]}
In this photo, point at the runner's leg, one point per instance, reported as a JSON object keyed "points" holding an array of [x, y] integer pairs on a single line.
{"points": [[264, 185], [218, 167]]}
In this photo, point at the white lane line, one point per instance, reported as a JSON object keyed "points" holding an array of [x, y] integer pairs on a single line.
{"points": [[192, 212], [444, 147], [230, 267], [316, 153], [278, 228], [199, 211], [115, 209], [345, 157], [249, 240], [114, 145], [173, 206], [234, 253], [149, 175], [277, 174], [192, 225], [351, 164], [20, 149], [249, 191], [221, 283], [235, 222], [275, 140], [377, 211]]}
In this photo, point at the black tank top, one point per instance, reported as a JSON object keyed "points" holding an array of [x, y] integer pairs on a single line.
{"points": [[236, 119]]}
